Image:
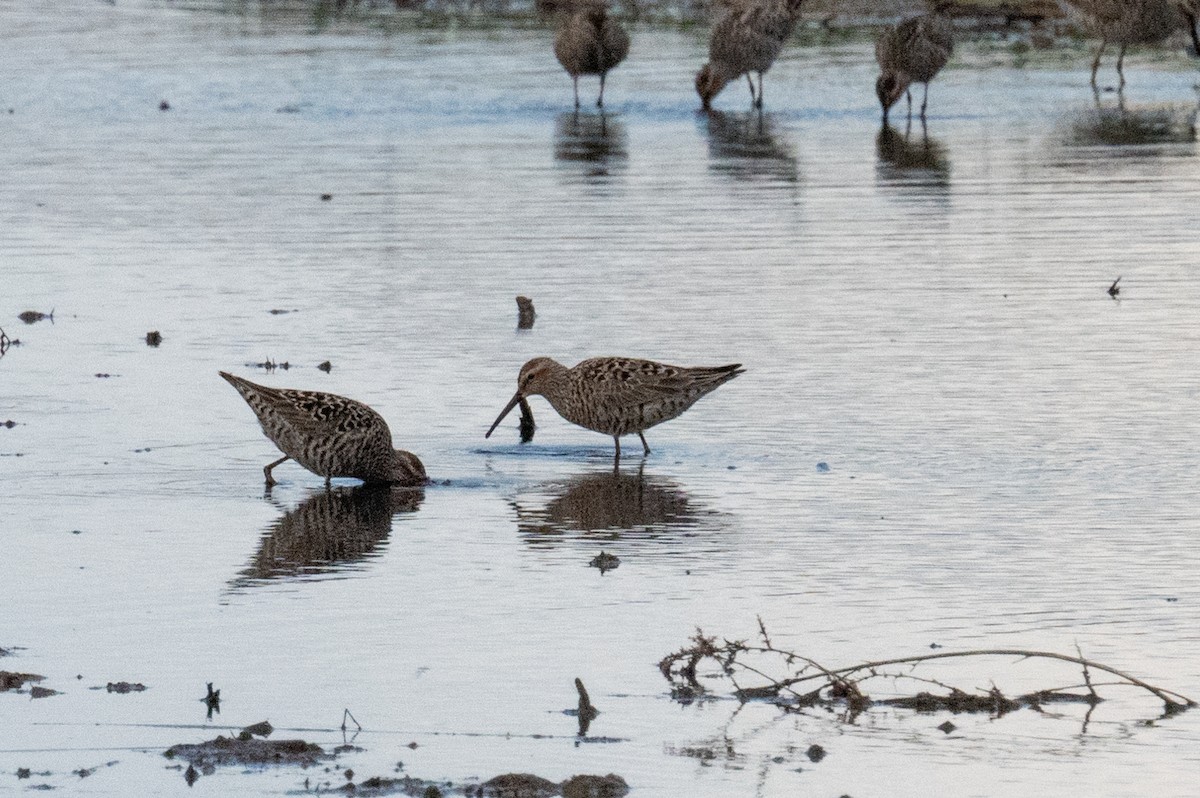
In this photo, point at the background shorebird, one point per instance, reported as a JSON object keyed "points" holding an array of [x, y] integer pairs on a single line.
{"points": [[587, 40], [616, 395], [330, 435], [746, 38], [912, 52], [1130, 22]]}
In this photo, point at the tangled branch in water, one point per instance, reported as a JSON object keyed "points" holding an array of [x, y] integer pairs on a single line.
{"points": [[806, 682]]}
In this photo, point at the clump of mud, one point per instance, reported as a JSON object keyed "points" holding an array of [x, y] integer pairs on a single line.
{"points": [[229, 751], [508, 785], [10, 680]]}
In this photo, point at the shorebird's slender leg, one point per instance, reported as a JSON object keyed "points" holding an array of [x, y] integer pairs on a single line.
{"points": [[575, 78], [1121, 69], [1096, 62], [908, 94], [267, 470], [326, 483], [645, 446], [750, 83], [760, 89], [1191, 18], [924, 102], [617, 456], [600, 101]]}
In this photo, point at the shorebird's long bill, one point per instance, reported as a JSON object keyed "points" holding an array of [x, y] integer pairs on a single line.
{"points": [[516, 400]]}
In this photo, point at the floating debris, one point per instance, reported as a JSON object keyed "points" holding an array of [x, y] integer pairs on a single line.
{"points": [[815, 753], [42, 692], [270, 365], [163, 105], [823, 467], [326, 197], [325, 366], [104, 375], [605, 562], [34, 316], [946, 727], [281, 311], [1114, 290], [153, 338], [525, 313], [10, 680], [123, 687], [9, 424], [213, 701], [230, 751], [260, 729]]}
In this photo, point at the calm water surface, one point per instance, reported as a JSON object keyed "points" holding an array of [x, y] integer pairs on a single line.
{"points": [[1011, 453]]}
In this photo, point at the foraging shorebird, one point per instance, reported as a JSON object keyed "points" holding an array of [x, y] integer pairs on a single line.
{"points": [[616, 395], [1130, 22], [330, 435], [588, 41], [746, 38], [912, 52]]}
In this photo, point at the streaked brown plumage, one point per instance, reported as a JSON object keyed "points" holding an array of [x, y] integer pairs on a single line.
{"points": [[329, 435], [912, 52], [1190, 9], [588, 41], [747, 37], [616, 395], [1128, 22]]}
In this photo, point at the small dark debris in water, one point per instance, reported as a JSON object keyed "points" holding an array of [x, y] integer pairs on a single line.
{"points": [[525, 313], [325, 366], [605, 562], [153, 338], [142, 451], [24, 773], [1172, 598], [326, 197], [815, 753], [525, 785], [947, 727], [12, 454], [228, 751], [212, 700], [282, 311], [270, 365], [163, 105], [14, 681], [823, 467], [191, 775], [33, 316], [610, 786], [42, 692], [347, 749], [349, 774], [124, 687], [40, 787], [378, 786], [104, 375], [261, 729], [9, 424], [413, 745], [931, 645], [1114, 290]]}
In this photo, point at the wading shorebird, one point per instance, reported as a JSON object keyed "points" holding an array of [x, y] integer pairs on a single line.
{"points": [[587, 41], [330, 435], [616, 395], [1130, 22], [746, 38], [912, 52]]}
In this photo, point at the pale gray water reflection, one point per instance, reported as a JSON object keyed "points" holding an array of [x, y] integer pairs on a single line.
{"points": [[612, 505], [596, 141], [913, 158], [1121, 124], [330, 532], [749, 145]]}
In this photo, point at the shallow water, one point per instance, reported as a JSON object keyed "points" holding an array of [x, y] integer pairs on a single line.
{"points": [[1010, 452]]}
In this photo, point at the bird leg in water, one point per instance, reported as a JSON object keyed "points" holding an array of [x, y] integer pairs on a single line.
{"points": [[575, 78], [600, 100], [1191, 19], [760, 90], [1121, 69], [908, 94], [924, 102], [617, 456], [267, 470], [645, 446], [750, 83], [1096, 61]]}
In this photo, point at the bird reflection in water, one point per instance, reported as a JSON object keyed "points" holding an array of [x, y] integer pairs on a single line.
{"points": [[331, 531], [597, 141], [608, 505], [745, 146], [1116, 124], [911, 160]]}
